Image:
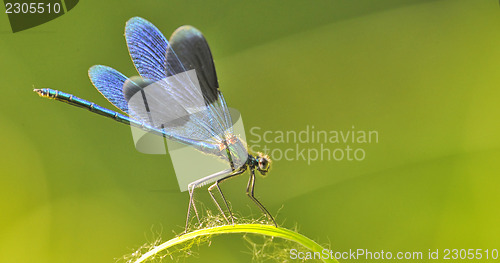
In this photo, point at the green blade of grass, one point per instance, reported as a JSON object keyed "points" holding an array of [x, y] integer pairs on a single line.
{"points": [[265, 230]]}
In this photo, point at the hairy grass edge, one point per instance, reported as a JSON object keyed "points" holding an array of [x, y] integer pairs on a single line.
{"points": [[259, 229]]}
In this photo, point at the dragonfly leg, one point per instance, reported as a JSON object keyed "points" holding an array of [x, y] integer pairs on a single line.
{"points": [[216, 184], [191, 188], [250, 193]]}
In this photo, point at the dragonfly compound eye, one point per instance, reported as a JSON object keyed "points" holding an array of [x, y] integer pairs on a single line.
{"points": [[263, 164]]}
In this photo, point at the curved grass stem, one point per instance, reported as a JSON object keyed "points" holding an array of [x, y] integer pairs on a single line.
{"points": [[265, 230]]}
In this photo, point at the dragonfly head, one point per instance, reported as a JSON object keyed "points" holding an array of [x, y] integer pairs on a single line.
{"points": [[263, 163]]}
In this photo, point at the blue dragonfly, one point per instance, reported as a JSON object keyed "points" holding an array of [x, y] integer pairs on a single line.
{"points": [[177, 97]]}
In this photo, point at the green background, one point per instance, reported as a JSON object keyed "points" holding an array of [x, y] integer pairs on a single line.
{"points": [[424, 74]]}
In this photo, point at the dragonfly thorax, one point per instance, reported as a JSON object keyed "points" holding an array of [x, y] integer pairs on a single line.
{"points": [[234, 151]]}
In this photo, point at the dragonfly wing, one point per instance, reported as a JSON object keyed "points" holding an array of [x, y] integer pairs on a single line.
{"points": [[150, 103], [155, 58], [147, 47], [170, 66], [109, 83], [160, 105], [188, 50]]}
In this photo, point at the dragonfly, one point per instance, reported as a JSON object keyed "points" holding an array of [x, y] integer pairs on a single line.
{"points": [[168, 100]]}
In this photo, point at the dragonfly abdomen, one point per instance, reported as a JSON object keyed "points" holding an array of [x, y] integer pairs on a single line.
{"points": [[91, 106]]}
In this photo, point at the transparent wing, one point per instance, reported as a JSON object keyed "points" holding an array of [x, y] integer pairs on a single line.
{"points": [[185, 98], [180, 118], [109, 83], [147, 47], [189, 50], [165, 104]]}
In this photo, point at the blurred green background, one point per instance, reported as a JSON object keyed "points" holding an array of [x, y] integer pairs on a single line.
{"points": [[424, 74]]}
